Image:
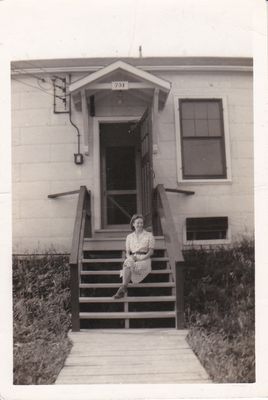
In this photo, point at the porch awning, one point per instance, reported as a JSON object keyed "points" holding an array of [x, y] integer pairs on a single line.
{"points": [[122, 76]]}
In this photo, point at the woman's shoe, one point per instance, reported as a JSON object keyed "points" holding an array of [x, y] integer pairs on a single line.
{"points": [[120, 292]]}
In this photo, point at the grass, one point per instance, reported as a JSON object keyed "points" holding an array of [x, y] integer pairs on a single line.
{"points": [[220, 311], [41, 318]]}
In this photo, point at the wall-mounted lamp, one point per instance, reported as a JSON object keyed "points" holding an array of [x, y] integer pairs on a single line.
{"points": [[78, 158]]}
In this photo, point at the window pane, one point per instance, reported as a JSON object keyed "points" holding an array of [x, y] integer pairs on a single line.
{"points": [[188, 128], [201, 126], [202, 158], [187, 110], [206, 228], [214, 127], [214, 110], [200, 110]]}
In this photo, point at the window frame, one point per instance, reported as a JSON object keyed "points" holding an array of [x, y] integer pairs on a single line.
{"points": [[208, 242], [225, 138]]}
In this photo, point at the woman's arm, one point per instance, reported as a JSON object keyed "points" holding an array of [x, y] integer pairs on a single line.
{"points": [[128, 251], [151, 242], [147, 255]]}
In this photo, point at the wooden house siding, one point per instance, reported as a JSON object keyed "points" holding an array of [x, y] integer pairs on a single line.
{"points": [[44, 144]]}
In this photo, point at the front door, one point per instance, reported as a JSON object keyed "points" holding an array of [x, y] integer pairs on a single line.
{"points": [[144, 129], [120, 173]]}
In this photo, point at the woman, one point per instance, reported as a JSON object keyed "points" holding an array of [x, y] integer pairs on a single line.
{"points": [[139, 248]]}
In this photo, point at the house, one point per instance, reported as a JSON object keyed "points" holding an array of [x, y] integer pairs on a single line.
{"points": [[201, 140], [122, 129]]}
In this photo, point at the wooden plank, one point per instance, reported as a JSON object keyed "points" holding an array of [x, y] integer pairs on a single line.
{"points": [[85, 115], [55, 195], [156, 333], [123, 315], [179, 279], [74, 286], [174, 250], [134, 379], [170, 234], [114, 244], [131, 356], [107, 272], [157, 348], [167, 355], [187, 192], [131, 285], [115, 260], [140, 299], [77, 226], [134, 368]]}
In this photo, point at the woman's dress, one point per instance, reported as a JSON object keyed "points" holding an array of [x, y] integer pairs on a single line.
{"points": [[141, 243]]}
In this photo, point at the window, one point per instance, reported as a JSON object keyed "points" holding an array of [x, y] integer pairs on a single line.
{"points": [[211, 228], [202, 139]]}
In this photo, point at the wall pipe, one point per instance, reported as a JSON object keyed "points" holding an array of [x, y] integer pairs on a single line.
{"points": [[78, 156]]}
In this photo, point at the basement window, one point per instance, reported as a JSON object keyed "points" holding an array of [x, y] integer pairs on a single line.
{"points": [[203, 229]]}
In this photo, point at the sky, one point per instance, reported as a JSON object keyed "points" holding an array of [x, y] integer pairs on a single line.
{"points": [[35, 29]]}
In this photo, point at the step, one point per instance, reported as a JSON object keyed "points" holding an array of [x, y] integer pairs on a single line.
{"points": [[127, 299], [115, 260], [131, 285], [115, 243], [106, 233], [106, 272], [127, 315]]}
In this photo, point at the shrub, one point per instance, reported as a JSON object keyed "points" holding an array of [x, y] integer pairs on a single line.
{"points": [[219, 303], [41, 317]]}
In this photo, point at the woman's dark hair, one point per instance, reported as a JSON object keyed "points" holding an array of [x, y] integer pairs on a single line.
{"points": [[133, 219]]}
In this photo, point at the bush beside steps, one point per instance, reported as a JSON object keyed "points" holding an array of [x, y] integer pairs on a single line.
{"points": [[220, 310], [41, 317]]}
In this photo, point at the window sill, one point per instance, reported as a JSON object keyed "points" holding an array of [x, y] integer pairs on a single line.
{"points": [[205, 181], [213, 242]]}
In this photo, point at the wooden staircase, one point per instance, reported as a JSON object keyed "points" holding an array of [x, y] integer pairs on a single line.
{"points": [[149, 304], [96, 260]]}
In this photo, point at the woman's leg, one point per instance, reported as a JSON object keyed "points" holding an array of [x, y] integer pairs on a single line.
{"points": [[126, 276]]}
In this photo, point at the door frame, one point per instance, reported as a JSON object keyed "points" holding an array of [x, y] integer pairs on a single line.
{"points": [[96, 178]]}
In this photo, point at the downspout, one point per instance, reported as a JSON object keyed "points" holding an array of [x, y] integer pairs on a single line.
{"points": [[78, 157]]}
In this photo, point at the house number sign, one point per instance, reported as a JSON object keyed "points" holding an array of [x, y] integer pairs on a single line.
{"points": [[120, 85]]}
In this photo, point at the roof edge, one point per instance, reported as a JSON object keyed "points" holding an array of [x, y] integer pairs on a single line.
{"points": [[144, 63]]}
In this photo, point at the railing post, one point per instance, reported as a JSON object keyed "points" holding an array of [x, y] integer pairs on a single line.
{"points": [[88, 227], [179, 279], [75, 298], [75, 256]]}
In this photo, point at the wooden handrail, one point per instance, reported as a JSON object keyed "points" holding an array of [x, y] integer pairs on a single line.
{"points": [[82, 227], [174, 250], [168, 228], [187, 192], [55, 195]]}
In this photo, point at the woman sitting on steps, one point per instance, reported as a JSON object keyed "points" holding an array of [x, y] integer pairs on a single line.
{"points": [[139, 248]]}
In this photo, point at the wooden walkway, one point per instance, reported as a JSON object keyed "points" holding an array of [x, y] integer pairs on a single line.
{"points": [[131, 356]]}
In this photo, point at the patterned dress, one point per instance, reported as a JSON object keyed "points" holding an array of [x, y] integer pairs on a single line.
{"points": [[139, 243]]}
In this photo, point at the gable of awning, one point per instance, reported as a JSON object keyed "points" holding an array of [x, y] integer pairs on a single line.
{"points": [[135, 79]]}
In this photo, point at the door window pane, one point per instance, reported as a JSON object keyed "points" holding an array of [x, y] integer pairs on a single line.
{"points": [[120, 208], [120, 168]]}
